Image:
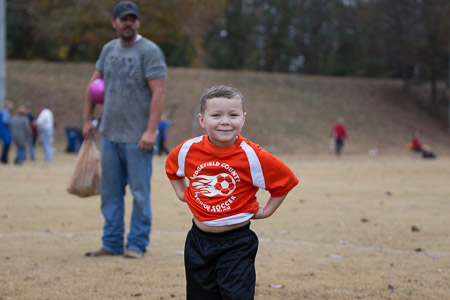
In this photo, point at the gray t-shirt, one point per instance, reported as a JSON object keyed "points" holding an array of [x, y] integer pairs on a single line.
{"points": [[20, 130], [127, 96]]}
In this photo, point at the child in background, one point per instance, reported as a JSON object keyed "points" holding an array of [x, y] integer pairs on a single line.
{"points": [[225, 172], [163, 127], [339, 134]]}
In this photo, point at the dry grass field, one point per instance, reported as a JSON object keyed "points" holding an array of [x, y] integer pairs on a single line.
{"points": [[358, 227], [346, 232]]}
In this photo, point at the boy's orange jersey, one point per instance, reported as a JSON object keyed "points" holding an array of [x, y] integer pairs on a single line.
{"points": [[223, 181]]}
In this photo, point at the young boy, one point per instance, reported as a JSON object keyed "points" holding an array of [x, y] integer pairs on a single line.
{"points": [[224, 171]]}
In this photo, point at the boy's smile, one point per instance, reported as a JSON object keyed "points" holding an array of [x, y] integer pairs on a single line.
{"points": [[223, 119]]}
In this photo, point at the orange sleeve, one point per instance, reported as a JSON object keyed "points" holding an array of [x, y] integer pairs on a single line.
{"points": [[172, 164], [279, 178]]}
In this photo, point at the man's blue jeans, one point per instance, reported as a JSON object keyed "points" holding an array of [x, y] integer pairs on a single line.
{"points": [[122, 164]]}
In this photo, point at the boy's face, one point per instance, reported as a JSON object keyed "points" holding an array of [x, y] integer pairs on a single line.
{"points": [[223, 119]]}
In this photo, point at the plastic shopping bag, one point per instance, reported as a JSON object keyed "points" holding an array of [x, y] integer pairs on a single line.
{"points": [[85, 179]]}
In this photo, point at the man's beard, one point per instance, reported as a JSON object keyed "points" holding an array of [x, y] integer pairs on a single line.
{"points": [[127, 37]]}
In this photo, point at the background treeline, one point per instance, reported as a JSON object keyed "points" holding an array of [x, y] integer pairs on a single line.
{"points": [[407, 39]]}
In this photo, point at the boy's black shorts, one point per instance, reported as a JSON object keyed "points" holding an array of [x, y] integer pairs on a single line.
{"points": [[220, 265]]}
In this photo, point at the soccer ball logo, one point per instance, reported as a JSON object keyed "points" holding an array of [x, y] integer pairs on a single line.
{"points": [[210, 186], [225, 184]]}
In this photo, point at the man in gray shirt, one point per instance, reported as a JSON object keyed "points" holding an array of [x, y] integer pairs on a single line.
{"points": [[134, 73]]}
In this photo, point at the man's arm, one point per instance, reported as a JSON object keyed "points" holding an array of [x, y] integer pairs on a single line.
{"points": [[89, 106], [148, 138]]}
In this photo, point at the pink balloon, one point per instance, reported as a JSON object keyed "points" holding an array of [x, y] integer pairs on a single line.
{"points": [[96, 90]]}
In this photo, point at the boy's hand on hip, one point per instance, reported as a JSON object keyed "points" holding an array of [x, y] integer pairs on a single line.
{"points": [[271, 206], [259, 214]]}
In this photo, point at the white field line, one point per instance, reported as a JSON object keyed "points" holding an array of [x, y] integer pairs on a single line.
{"points": [[341, 244]]}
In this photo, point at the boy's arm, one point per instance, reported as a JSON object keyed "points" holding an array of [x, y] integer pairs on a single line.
{"points": [[271, 206], [179, 186]]}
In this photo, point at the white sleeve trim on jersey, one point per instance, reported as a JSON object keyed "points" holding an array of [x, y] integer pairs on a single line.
{"points": [[231, 220], [255, 166], [183, 153]]}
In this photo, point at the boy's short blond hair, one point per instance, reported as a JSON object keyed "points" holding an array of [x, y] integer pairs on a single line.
{"points": [[220, 91]]}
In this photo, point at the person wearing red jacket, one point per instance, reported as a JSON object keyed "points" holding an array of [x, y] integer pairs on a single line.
{"points": [[339, 134], [224, 172]]}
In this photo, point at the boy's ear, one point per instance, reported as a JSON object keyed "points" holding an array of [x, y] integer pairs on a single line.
{"points": [[201, 121]]}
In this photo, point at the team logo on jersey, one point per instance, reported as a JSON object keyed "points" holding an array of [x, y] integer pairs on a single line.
{"points": [[222, 184]]}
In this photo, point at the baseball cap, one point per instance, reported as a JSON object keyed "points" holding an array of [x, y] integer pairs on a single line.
{"points": [[125, 8]]}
